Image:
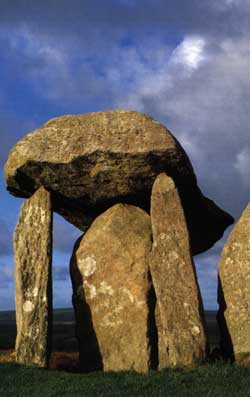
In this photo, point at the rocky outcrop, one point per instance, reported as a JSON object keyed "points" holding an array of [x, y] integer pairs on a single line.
{"points": [[90, 162], [112, 292], [234, 291], [33, 252], [181, 334]]}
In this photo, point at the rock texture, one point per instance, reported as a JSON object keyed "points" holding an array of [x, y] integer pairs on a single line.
{"points": [[234, 291], [182, 338], [33, 251], [112, 292], [90, 162]]}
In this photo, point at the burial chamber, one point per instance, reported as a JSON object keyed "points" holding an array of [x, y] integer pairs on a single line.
{"points": [[92, 161]]}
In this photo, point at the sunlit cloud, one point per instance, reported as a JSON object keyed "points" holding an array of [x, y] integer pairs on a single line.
{"points": [[190, 53]]}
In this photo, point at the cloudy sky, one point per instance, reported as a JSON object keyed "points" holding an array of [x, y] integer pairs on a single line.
{"points": [[185, 63]]}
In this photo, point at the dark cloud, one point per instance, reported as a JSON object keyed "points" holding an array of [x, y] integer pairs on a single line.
{"points": [[77, 17]]}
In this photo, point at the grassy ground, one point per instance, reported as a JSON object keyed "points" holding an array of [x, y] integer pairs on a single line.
{"points": [[207, 380], [212, 380]]}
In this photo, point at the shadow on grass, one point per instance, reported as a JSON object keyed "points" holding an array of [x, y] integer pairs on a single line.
{"points": [[222, 380]]}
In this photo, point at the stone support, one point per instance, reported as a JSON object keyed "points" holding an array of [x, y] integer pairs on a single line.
{"points": [[33, 253], [180, 319], [112, 292]]}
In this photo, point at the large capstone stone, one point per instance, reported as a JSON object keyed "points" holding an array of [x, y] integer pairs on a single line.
{"points": [[33, 251], [180, 320], [112, 292], [90, 162], [234, 291]]}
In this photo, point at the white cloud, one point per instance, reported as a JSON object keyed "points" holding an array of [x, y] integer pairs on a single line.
{"points": [[190, 53], [32, 45]]}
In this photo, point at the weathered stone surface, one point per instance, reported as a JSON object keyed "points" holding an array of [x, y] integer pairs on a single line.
{"points": [[90, 162], [33, 251], [181, 334], [112, 292], [234, 291]]}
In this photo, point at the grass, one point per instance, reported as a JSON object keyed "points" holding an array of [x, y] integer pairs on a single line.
{"points": [[217, 379], [212, 380]]}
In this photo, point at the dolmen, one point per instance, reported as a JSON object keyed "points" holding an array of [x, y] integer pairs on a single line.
{"points": [[126, 182]]}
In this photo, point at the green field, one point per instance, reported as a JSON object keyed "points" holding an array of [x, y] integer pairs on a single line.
{"points": [[208, 379], [217, 380]]}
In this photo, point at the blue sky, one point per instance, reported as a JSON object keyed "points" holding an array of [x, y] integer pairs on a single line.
{"points": [[186, 63]]}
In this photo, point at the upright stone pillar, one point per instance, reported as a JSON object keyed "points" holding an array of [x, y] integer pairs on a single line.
{"points": [[112, 292], [234, 291], [33, 253], [179, 315]]}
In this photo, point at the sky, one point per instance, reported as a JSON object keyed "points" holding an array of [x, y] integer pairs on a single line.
{"points": [[185, 63]]}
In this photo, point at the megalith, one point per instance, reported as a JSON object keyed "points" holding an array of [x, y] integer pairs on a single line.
{"points": [[33, 252], [234, 291], [180, 318], [112, 292], [92, 161], [135, 305]]}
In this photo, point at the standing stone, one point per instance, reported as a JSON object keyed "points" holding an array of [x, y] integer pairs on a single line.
{"points": [[112, 292], [180, 320], [234, 291], [33, 251]]}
